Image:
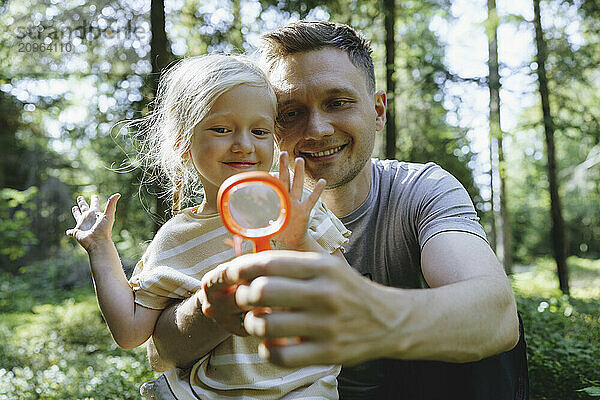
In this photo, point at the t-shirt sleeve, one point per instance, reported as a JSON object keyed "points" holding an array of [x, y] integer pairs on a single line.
{"points": [[444, 205], [326, 228], [156, 286], [163, 274]]}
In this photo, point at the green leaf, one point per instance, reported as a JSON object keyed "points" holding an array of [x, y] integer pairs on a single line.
{"points": [[593, 391]]}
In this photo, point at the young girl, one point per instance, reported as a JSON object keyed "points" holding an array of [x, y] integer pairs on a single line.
{"points": [[214, 117]]}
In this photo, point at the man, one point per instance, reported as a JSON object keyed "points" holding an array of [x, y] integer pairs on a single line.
{"points": [[425, 284]]}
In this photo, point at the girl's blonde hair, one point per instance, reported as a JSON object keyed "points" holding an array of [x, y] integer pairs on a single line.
{"points": [[186, 93]]}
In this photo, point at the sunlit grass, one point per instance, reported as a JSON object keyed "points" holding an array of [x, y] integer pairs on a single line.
{"points": [[64, 351], [542, 280]]}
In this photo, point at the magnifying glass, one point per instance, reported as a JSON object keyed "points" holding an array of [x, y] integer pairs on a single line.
{"points": [[254, 205]]}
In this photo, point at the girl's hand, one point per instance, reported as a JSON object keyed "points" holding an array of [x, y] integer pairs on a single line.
{"points": [[295, 234], [92, 226]]}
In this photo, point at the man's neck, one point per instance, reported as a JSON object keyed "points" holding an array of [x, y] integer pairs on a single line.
{"points": [[347, 198]]}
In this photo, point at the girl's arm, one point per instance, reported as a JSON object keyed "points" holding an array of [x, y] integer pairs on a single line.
{"points": [[183, 335], [130, 324]]}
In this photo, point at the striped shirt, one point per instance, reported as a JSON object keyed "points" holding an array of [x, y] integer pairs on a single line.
{"points": [[183, 250]]}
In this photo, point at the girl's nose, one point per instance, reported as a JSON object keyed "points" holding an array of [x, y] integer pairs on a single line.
{"points": [[242, 142]]}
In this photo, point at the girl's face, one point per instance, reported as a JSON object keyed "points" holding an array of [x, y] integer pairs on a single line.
{"points": [[235, 136]]}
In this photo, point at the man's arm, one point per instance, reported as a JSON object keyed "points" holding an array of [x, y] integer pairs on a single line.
{"points": [[183, 335], [468, 313]]}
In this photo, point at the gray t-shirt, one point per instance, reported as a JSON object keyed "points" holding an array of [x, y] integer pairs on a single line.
{"points": [[407, 205]]}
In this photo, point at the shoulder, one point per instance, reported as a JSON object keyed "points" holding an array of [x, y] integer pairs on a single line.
{"points": [[400, 169], [182, 227], [422, 191], [178, 223], [411, 176]]}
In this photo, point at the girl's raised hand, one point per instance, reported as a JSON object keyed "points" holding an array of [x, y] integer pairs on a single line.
{"points": [[295, 234], [92, 226]]}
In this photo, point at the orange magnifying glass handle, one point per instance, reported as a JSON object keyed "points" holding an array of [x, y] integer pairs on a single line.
{"points": [[261, 244]]}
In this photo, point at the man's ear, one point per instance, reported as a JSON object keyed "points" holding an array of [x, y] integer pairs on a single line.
{"points": [[380, 108]]}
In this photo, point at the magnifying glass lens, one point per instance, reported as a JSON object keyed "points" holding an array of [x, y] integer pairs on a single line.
{"points": [[254, 205]]}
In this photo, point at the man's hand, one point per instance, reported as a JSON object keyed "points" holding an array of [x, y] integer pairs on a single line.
{"points": [[92, 226], [341, 317], [336, 313]]}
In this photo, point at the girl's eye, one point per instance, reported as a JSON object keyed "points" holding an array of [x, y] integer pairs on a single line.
{"points": [[260, 132], [219, 130]]}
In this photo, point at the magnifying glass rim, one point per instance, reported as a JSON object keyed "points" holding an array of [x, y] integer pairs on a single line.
{"points": [[247, 178]]}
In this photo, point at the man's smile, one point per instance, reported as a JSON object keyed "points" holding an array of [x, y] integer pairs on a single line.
{"points": [[323, 153]]}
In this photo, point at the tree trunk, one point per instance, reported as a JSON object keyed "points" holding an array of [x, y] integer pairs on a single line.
{"points": [[493, 238], [559, 240], [160, 56], [235, 37], [389, 12], [159, 45], [496, 132], [504, 212]]}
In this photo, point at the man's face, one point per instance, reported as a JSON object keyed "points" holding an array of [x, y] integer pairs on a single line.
{"points": [[326, 114]]}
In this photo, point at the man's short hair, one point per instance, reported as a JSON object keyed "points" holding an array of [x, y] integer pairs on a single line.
{"points": [[304, 36]]}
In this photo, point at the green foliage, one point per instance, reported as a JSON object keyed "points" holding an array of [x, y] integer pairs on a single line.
{"points": [[15, 221], [562, 338], [572, 72], [593, 391], [65, 351], [54, 343], [52, 280], [562, 333], [424, 133]]}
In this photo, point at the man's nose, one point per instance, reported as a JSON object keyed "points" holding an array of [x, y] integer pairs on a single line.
{"points": [[242, 142], [317, 125]]}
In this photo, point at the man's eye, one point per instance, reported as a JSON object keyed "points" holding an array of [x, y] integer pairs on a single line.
{"points": [[287, 116], [338, 103]]}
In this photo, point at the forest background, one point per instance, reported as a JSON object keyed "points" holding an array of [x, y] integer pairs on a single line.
{"points": [[505, 96]]}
